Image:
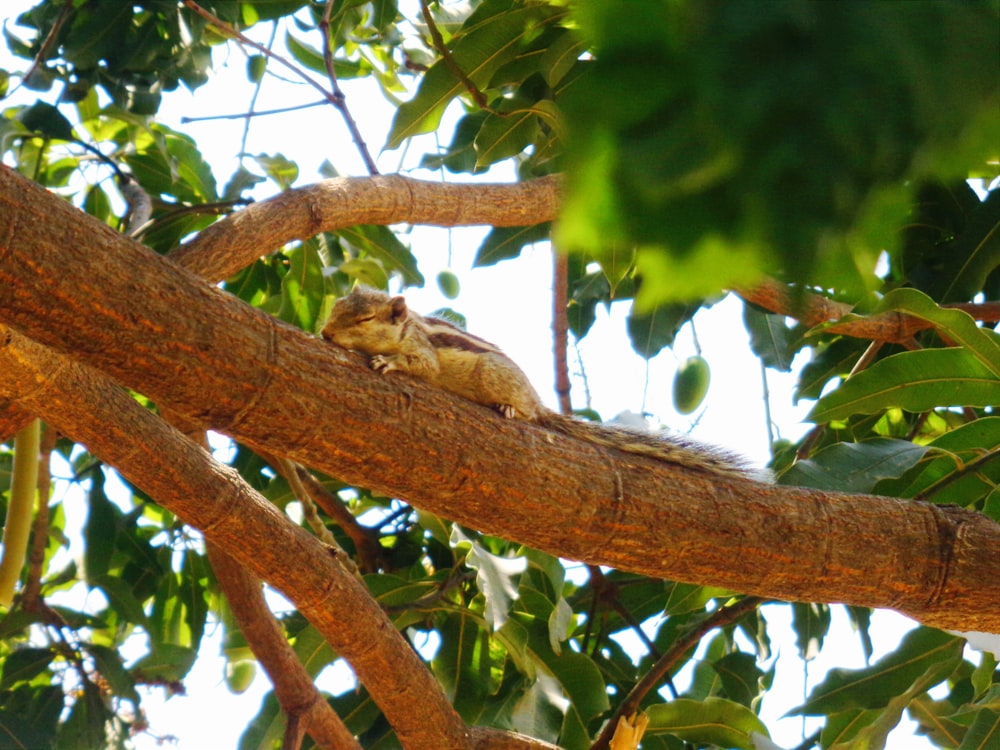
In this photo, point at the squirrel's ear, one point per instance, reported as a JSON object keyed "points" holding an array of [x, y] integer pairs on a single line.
{"points": [[398, 307]]}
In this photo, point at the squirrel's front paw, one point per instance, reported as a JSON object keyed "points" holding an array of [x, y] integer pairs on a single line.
{"points": [[506, 410], [380, 364]]}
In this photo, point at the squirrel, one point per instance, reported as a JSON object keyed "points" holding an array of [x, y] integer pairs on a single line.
{"points": [[396, 339]]}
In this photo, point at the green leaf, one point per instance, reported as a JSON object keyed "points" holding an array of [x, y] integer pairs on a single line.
{"points": [[302, 287], [507, 242], [44, 119], [741, 678], [651, 331], [951, 453], [771, 338], [165, 662], [111, 668], [85, 727], [505, 135], [916, 381], [23, 664], [484, 44], [984, 732], [382, 244], [924, 654], [811, 623], [955, 325], [855, 467], [462, 663], [100, 530], [714, 720]]}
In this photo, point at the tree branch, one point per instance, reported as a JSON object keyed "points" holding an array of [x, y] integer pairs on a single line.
{"points": [[213, 498], [296, 693], [234, 242], [232, 368]]}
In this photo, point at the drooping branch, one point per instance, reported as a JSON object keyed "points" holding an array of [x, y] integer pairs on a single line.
{"points": [[233, 368]]}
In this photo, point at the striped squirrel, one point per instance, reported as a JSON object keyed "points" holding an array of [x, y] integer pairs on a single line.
{"points": [[397, 339]]}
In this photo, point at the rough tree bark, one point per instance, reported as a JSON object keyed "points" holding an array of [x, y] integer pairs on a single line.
{"points": [[73, 284]]}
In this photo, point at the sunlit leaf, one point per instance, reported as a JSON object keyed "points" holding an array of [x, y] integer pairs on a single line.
{"points": [[916, 381]]}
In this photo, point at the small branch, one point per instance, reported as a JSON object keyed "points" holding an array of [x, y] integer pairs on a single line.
{"points": [[293, 687], [560, 329], [813, 309], [255, 113], [649, 682], [20, 507], [336, 97], [229, 245], [477, 96], [365, 540], [47, 44], [339, 99]]}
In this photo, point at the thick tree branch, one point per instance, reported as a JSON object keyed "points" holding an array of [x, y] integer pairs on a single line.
{"points": [[216, 500], [75, 285], [237, 240]]}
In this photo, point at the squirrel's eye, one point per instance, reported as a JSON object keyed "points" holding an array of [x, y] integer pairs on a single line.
{"points": [[366, 319]]}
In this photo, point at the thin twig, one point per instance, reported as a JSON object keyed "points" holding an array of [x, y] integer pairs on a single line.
{"points": [[47, 44], [717, 619], [339, 99], [255, 113], [336, 98]]}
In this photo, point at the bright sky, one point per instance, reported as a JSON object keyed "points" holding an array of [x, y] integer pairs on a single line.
{"points": [[509, 305]]}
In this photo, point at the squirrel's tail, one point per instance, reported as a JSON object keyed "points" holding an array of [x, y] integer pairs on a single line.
{"points": [[673, 449]]}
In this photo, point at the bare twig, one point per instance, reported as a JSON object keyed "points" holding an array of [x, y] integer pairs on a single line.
{"points": [[560, 329], [254, 113], [339, 99], [50, 40], [335, 98]]}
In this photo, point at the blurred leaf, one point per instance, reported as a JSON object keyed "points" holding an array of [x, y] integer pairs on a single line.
{"points": [[24, 664], [46, 120], [692, 132]]}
